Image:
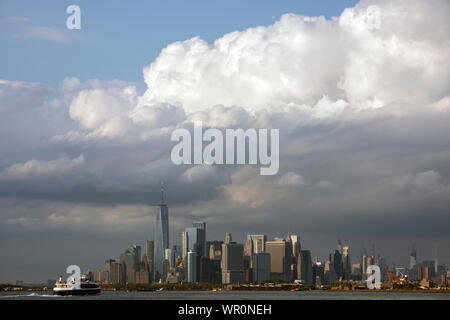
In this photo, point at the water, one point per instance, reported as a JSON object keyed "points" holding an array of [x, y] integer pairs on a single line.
{"points": [[233, 295]]}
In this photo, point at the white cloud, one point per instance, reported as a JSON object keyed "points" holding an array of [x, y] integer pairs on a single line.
{"points": [[291, 179], [16, 96], [302, 59], [325, 184], [199, 174], [42, 169], [41, 32], [426, 182]]}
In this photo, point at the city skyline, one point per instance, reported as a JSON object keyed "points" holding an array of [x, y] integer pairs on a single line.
{"points": [[259, 242], [258, 260]]}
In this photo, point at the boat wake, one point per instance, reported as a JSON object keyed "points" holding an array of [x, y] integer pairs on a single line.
{"points": [[29, 295]]}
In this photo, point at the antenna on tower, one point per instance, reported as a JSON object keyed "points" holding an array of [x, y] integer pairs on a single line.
{"points": [[162, 192]]}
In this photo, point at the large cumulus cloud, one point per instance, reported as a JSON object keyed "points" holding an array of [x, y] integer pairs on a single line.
{"points": [[301, 59]]}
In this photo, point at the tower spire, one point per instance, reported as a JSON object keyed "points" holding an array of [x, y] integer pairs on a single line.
{"points": [[162, 193]]}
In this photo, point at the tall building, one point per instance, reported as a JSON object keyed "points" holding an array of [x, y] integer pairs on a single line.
{"points": [[318, 273], [436, 264], [196, 238], [206, 269], [150, 252], [170, 256], [259, 242], [366, 262], [228, 238], [329, 273], [215, 249], [261, 267], [232, 262], [356, 272], [280, 259], [142, 271], [161, 233], [192, 266], [248, 254], [304, 267], [106, 277], [184, 244], [346, 263], [336, 261], [117, 275], [131, 258], [296, 247], [201, 237]]}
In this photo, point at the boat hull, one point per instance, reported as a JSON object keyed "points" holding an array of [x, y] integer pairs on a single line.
{"points": [[76, 292]]}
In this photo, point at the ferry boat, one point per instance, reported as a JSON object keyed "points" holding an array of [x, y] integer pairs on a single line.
{"points": [[62, 288]]}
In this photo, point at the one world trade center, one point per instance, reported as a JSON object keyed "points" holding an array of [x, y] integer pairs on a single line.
{"points": [[161, 233]]}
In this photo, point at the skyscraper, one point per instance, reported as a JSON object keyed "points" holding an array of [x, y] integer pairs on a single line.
{"points": [[346, 263], [336, 262], [192, 266], [296, 247], [150, 252], [366, 262], [280, 259], [161, 233], [261, 267], [215, 249], [131, 258], [201, 237], [259, 242], [329, 273], [232, 262], [304, 267], [184, 244], [318, 273], [228, 238]]}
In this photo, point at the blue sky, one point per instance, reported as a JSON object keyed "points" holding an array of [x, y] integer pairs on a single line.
{"points": [[117, 38]]}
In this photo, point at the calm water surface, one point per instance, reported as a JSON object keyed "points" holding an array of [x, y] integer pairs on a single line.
{"points": [[233, 295]]}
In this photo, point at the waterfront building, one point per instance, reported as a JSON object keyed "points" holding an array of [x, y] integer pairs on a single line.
{"points": [[304, 267], [130, 258], [228, 238], [346, 263], [259, 242], [329, 273], [215, 249], [280, 259], [201, 237], [192, 266], [336, 262], [184, 244], [232, 262], [296, 246], [150, 252], [318, 273], [261, 267]]}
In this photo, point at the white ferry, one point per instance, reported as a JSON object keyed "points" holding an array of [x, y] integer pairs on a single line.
{"points": [[62, 288]]}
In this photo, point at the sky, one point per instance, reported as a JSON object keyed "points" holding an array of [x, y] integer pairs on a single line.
{"points": [[363, 110]]}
